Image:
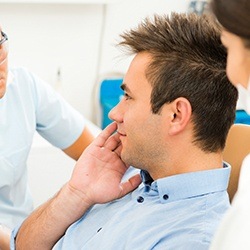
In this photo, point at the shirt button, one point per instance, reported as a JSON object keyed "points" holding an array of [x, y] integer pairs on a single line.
{"points": [[165, 197], [140, 199]]}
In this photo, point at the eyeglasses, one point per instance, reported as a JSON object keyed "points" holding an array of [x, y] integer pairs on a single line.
{"points": [[3, 47]]}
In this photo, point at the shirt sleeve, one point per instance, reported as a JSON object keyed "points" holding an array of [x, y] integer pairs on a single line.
{"points": [[56, 121]]}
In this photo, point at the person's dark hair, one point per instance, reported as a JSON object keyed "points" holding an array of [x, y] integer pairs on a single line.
{"points": [[188, 60], [234, 16]]}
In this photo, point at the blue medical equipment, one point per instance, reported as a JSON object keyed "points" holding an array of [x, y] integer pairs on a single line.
{"points": [[242, 117], [110, 95]]}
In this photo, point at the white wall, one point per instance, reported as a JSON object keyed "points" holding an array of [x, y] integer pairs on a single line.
{"points": [[45, 37], [79, 39]]}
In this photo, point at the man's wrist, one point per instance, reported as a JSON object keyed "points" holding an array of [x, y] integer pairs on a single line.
{"points": [[74, 202]]}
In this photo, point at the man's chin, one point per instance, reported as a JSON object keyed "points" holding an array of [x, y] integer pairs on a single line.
{"points": [[125, 158]]}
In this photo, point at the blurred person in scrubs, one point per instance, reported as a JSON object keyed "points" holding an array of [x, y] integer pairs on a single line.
{"points": [[27, 105], [234, 16]]}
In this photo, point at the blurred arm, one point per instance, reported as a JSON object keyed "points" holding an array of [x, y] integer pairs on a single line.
{"points": [[76, 149]]}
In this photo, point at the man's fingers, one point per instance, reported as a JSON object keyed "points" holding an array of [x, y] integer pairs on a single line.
{"points": [[113, 142], [130, 185], [118, 150], [105, 134]]}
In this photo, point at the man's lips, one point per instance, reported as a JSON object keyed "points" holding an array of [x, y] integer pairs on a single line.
{"points": [[121, 134]]}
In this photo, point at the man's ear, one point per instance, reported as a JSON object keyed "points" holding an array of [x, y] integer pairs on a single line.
{"points": [[182, 112]]}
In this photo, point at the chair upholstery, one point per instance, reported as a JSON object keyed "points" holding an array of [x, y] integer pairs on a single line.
{"points": [[237, 147]]}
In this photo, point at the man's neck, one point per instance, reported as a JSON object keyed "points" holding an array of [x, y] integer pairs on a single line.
{"points": [[186, 162]]}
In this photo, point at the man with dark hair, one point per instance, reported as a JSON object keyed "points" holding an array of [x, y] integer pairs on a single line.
{"points": [[172, 124]]}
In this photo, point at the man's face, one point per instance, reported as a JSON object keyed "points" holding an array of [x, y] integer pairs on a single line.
{"points": [[141, 131], [3, 66]]}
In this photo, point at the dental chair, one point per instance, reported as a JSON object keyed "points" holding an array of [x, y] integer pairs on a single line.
{"points": [[237, 148]]}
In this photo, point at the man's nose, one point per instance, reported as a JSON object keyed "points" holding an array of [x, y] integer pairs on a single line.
{"points": [[115, 113]]}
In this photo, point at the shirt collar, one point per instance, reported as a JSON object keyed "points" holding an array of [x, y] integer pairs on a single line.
{"points": [[188, 185], [146, 178]]}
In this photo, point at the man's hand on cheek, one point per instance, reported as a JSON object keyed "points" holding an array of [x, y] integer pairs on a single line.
{"points": [[98, 172]]}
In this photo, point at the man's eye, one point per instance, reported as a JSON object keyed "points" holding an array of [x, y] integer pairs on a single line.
{"points": [[126, 96]]}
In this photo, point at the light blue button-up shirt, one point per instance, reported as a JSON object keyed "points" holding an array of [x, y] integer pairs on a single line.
{"points": [[176, 212]]}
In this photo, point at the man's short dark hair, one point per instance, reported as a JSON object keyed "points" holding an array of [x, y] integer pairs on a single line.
{"points": [[188, 60]]}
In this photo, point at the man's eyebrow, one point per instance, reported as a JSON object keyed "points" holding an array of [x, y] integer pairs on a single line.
{"points": [[124, 87]]}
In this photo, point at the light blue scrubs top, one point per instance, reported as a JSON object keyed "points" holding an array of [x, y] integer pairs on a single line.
{"points": [[29, 105], [172, 213]]}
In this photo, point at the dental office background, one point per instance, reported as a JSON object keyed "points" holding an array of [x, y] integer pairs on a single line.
{"points": [[71, 45]]}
